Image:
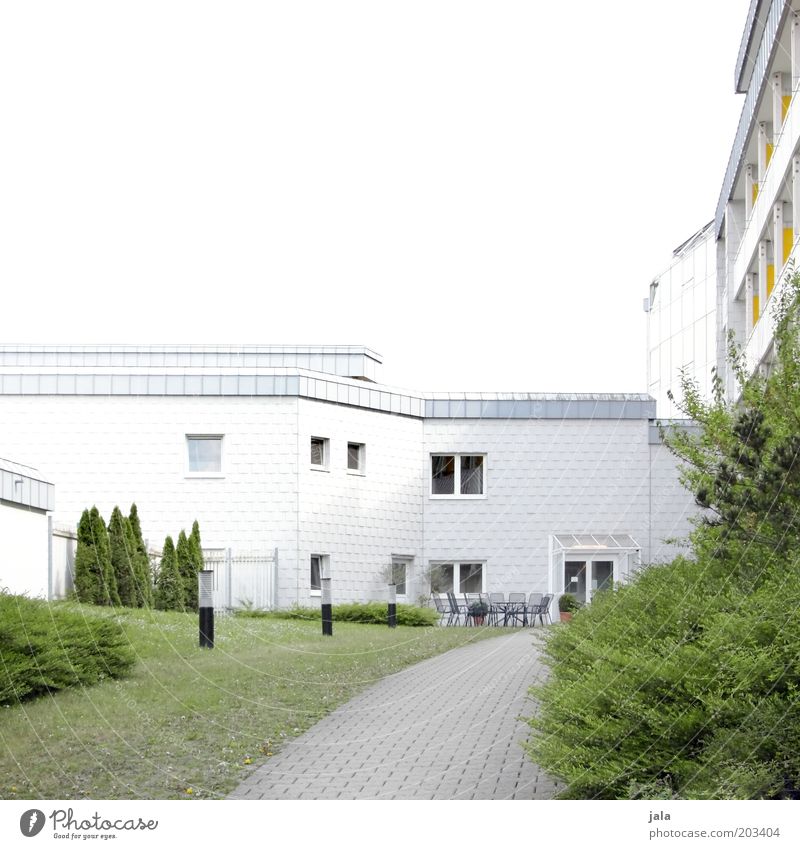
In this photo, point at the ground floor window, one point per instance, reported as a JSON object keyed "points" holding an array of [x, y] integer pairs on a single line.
{"points": [[462, 577], [399, 574], [318, 570]]}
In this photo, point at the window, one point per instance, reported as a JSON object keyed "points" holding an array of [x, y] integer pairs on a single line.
{"points": [[319, 452], [204, 454], [317, 570], [458, 475], [399, 575], [458, 578], [356, 455]]}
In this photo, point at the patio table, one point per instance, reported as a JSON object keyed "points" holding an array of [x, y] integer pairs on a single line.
{"points": [[512, 610]]}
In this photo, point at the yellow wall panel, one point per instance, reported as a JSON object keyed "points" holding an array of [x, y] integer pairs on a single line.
{"points": [[756, 315], [770, 279], [770, 148], [787, 99], [755, 191], [788, 243]]}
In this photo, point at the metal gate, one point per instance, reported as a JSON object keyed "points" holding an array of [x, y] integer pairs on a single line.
{"points": [[244, 581]]}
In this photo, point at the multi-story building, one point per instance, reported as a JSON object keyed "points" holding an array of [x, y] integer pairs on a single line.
{"points": [[681, 322], [757, 222], [303, 451]]}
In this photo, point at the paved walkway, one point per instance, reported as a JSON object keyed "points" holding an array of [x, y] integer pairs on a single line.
{"points": [[446, 728]]}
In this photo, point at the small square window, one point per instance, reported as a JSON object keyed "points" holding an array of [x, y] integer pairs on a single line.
{"points": [[356, 454], [204, 455], [319, 451]]}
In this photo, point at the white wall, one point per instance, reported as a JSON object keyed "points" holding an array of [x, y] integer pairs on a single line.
{"points": [[23, 550], [545, 477], [359, 521], [108, 450]]}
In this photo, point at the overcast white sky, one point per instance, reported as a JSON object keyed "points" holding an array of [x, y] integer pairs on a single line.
{"points": [[481, 192]]}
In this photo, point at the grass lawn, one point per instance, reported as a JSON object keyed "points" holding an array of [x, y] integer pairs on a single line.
{"points": [[189, 722]]}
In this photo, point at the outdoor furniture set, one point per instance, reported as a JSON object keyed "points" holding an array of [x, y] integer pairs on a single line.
{"points": [[490, 608]]}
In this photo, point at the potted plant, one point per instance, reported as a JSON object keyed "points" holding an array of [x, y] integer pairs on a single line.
{"points": [[567, 605], [478, 611]]}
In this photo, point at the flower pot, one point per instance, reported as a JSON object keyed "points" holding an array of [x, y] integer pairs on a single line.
{"points": [[565, 617]]}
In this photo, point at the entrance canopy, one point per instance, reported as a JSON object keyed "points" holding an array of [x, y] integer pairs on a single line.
{"points": [[582, 564]]}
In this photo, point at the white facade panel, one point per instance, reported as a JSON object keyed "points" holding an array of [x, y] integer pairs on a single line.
{"points": [[23, 550], [358, 519], [543, 478]]}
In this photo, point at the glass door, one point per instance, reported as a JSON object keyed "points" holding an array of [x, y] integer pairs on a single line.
{"points": [[583, 578]]}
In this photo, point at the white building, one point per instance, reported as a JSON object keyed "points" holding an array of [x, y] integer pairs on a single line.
{"points": [[682, 321], [26, 499], [757, 220], [301, 450]]}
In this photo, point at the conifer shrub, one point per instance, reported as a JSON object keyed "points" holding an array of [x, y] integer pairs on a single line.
{"points": [[169, 585], [48, 647], [94, 579], [123, 559], [144, 576], [187, 571]]}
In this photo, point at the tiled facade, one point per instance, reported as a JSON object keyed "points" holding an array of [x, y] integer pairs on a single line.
{"points": [[551, 464]]}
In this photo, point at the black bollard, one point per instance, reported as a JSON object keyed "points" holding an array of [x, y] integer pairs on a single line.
{"points": [[327, 613], [206, 606], [392, 606]]}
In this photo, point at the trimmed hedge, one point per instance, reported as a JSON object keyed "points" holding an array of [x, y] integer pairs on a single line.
{"points": [[680, 685], [46, 647], [371, 613]]}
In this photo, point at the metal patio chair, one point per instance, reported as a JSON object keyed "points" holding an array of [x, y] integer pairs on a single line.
{"points": [[442, 609], [455, 608], [516, 609], [496, 606]]}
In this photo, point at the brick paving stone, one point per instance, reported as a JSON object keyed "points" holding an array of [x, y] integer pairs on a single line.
{"points": [[446, 728]]}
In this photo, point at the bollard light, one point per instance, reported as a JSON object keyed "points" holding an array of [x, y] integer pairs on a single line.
{"points": [[392, 606], [205, 595], [327, 613]]}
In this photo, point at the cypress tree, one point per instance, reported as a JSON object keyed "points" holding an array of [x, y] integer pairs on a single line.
{"points": [[186, 567], [197, 548], [169, 588], [123, 554], [107, 587], [144, 577], [86, 581]]}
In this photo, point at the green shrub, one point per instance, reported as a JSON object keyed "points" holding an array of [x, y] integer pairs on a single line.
{"points": [[46, 647], [169, 585], [678, 685], [568, 603], [371, 613], [95, 582]]}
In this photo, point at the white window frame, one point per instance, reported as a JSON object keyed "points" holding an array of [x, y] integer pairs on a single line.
{"points": [[324, 565], [406, 562], [457, 455], [324, 466], [362, 458], [188, 472], [457, 564]]}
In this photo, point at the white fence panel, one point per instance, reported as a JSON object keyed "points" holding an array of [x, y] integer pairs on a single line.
{"points": [[244, 581]]}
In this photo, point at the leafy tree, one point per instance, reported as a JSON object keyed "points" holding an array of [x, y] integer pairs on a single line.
{"points": [[169, 587], [188, 571], [685, 683], [123, 559]]}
